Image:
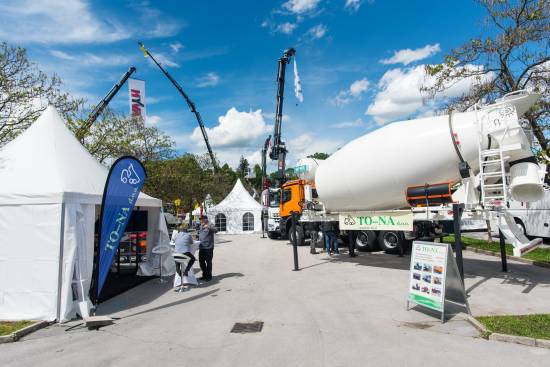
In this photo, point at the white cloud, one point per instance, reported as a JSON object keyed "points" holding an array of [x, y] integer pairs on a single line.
{"points": [[301, 6], [353, 5], [307, 144], [153, 120], [176, 46], [88, 58], [399, 93], [408, 56], [316, 32], [163, 60], [75, 21], [348, 124], [209, 80], [286, 28], [354, 92], [235, 129]]}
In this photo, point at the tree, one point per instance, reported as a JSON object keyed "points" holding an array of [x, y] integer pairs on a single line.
{"points": [[319, 155], [25, 92], [244, 166], [513, 54], [113, 135]]}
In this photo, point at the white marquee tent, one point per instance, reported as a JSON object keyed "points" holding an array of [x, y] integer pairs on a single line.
{"points": [[237, 213], [50, 196]]}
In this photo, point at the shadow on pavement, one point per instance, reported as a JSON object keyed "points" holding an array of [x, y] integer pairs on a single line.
{"points": [[171, 304], [217, 278], [524, 275]]}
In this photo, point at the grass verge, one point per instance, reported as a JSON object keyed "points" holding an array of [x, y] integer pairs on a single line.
{"points": [[8, 327], [533, 326], [539, 254]]}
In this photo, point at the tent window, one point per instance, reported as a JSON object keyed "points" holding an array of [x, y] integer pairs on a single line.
{"points": [[248, 222], [221, 222]]}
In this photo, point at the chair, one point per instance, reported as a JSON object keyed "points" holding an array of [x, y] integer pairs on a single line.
{"points": [[160, 250], [181, 259]]}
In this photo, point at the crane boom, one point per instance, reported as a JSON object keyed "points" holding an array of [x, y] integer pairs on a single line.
{"points": [[278, 151], [98, 110], [189, 103]]}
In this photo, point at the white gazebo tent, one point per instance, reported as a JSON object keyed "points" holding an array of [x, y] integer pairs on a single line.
{"points": [[50, 196], [237, 213]]}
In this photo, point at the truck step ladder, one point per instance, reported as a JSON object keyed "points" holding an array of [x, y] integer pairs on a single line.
{"points": [[514, 235], [493, 178]]}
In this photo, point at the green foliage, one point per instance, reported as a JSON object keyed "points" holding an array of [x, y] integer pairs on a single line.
{"points": [[532, 326], [242, 169], [26, 91], [113, 135], [541, 255], [319, 155], [7, 327]]}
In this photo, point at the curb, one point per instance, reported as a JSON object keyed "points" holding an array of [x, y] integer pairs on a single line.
{"points": [[522, 340], [509, 257], [16, 335]]}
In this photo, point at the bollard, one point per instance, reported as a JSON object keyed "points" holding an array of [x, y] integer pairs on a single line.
{"points": [[457, 215], [295, 242], [503, 258]]}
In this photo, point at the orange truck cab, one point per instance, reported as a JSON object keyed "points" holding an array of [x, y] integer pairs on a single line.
{"points": [[292, 200]]}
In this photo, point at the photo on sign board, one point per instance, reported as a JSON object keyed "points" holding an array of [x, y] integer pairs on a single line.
{"points": [[436, 291], [415, 287], [416, 276], [425, 290], [427, 278], [437, 280], [438, 269], [417, 266], [427, 267]]}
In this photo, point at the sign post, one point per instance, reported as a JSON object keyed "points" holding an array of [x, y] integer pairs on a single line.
{"points": [[435, 278]]}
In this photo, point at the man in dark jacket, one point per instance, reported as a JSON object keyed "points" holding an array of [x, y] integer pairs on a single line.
{"points": [[206, 249]]}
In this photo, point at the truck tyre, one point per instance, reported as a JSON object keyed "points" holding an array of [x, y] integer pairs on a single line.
{"points": [[273, 235], [299, 235], [389, 240], [366, 241], [521, 226]]}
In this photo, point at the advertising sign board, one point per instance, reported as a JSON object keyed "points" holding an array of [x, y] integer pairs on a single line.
{"points": [[377, 221]]}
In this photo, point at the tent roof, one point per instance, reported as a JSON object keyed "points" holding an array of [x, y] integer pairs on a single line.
{"points": [[237, 200], [47, 164]]}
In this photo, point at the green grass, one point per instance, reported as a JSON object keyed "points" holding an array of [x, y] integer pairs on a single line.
{"points": [[7, 327], [541, 255], [533, 326]]}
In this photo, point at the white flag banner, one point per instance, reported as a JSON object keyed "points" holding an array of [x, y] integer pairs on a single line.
{"points": [[297, 83], [136, 90]]}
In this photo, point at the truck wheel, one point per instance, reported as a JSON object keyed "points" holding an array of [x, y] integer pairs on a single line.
{"points": [[365, 241], [389, 240], [273, 235], [299, 235]]}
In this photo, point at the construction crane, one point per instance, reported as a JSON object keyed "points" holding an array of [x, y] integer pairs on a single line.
{"points": [[189, 103], [98, 110], [278, 151], [265, 181]]}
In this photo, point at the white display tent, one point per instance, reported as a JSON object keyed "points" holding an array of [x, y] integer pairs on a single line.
{"points": [[237, 213], [50, 197]]}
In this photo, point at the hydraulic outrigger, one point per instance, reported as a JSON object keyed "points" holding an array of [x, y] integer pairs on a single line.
{"points": [[98, 110], [189, 103]]}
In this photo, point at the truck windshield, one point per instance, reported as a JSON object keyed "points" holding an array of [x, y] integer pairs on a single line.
{"points": [[274, 199]]}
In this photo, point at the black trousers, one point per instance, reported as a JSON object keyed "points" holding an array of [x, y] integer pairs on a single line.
{"points": [[205, 262], [189, 264]]}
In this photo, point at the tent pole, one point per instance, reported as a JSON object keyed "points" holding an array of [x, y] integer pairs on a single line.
{"points": [[60, 272]]}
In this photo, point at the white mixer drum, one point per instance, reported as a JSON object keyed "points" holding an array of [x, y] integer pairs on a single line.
{"points": [[306, 168]]}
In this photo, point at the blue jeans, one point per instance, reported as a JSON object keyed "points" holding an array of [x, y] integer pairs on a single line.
{"points": [[330, 237]]}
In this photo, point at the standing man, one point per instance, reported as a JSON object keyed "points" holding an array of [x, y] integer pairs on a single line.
{"points": [[206, 249]]}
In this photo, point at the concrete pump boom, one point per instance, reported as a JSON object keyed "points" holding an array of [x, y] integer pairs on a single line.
{"points": [[265, 184], [189, 103], [98, 110], [278, 151]]}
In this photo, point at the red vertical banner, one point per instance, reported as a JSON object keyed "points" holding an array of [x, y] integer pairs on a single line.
{"points": [[136, 89]]}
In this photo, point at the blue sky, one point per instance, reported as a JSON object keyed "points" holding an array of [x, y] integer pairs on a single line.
{"points": [[360, 62]]}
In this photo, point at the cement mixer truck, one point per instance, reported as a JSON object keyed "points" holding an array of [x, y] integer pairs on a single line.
{"points": [[396, 183]]}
